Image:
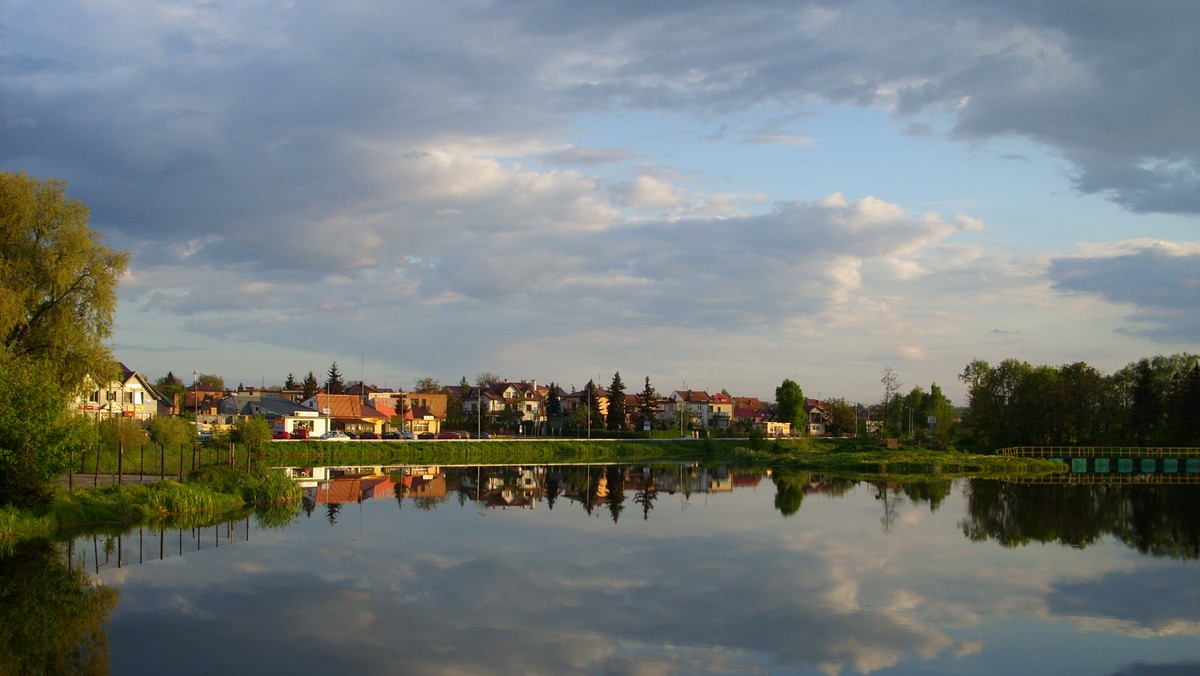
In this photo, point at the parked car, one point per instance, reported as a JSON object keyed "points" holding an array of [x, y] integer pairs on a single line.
{"points": [[397, 434], [301, 433], [425, 435], [335, 435], [368, 435], [281, 434], [481, 435], [449, 435]]}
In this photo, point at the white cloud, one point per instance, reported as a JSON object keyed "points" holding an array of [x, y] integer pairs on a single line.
{"points": [[400, 165]]}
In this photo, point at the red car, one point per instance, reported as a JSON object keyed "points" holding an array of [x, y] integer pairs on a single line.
{"points": [[281, 434], [449, 435], [300, 433], [368, 435]]}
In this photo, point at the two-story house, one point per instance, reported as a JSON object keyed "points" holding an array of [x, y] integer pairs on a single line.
{"points": [[129, 395]]}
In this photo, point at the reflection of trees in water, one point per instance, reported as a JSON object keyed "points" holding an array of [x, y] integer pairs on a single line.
{"points": [[52, 618], [789, 490], [933, 492], [889, 496], [646, 497], [1161, 520], [332, 509], [398, 493], [615, 475], [552, 490], [427, 503]]}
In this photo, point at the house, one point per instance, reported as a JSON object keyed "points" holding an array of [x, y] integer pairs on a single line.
{"points": [[816, 417], [129, 395], [688, 404], [720, 411], [575, 400], [281, 414], [348, 413], [516, 404], [750, 410]]}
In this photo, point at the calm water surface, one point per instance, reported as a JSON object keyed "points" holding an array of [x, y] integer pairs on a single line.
{"points": [[667, 570]]}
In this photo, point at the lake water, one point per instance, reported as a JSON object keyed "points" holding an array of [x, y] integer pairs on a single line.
{"points": [[631, 570]]}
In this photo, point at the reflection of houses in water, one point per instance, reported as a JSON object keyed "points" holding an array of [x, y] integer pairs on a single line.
{"points": [[350, 489], [513, 486], [423, 482], [504, 487], [355, 483]]}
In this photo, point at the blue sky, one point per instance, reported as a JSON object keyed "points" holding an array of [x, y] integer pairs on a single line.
{"points": [[716, 195]]}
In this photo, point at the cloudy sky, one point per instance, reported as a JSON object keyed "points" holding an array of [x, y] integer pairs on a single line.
{"points": [[712, 194]]}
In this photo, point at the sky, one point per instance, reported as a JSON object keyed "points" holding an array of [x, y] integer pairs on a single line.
{"points": [[714, 195]]}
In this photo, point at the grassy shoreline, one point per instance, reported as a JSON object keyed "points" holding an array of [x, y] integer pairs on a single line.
{"points": [[207, 496]]}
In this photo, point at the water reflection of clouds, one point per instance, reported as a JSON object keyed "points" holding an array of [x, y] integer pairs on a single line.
{"points": [[447, 591]]}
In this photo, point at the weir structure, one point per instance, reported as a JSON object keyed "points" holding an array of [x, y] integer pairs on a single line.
{"points": [[1116, 464]]}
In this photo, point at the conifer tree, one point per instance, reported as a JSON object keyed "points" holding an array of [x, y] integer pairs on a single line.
{"points": [[310, 386], [333, 381], [646, 410], [616, 404]]}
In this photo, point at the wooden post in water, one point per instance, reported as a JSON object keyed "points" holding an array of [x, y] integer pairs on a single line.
{"points": [[181, 462], [120, 458], [142, 467], [162, 461], [96, 474]]}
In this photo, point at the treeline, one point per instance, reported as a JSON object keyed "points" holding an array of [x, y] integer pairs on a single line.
{"points": [[1151, 402]]}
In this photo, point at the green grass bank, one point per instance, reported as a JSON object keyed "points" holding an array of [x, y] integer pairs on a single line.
{"points": [[207, 496]]}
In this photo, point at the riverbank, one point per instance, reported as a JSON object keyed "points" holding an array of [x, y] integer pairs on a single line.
{"points": [[206, 496]]}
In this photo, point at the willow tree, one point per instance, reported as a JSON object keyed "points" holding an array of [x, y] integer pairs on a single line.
{"points": [[58, 293], [58, 283]]}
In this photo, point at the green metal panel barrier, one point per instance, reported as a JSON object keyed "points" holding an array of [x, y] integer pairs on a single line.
{"points": [[1102, 466], [1078, 465], [1149, 465], [1170, 466], [1125, 465], [1193, 466]]}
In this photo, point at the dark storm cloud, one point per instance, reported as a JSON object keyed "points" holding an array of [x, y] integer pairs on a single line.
{"points": [[1161, 283]]}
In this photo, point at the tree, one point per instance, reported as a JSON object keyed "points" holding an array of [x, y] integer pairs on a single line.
{"points": [[171, 431], [290, 383], [616, 404], [333, 381], [841, 418], [253, 433], [58, 283], [310, 386], [428, 385], [592, 394], [210, 380], [485, 379], [789, 405], [941, 412], [890, 386], [553, 402], [646, 410], [38, 436], [171, 386]]}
